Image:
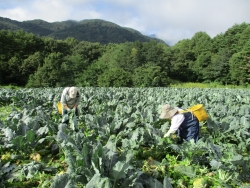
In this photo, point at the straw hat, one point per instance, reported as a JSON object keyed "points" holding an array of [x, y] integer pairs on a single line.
{"points": [[167, 111], [72, 92]]}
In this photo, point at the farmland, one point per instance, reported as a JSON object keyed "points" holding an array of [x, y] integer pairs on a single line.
{"points": [[120, 139]]}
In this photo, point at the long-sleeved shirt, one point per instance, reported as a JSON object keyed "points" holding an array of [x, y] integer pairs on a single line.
{"points": [[176, 121], [70, 102]]}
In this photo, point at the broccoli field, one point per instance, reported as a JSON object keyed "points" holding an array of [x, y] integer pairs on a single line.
{"points": [[120, 140]]}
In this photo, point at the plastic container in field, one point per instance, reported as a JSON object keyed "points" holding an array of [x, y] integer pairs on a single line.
{"points": [[59, 107], [199, 111]]}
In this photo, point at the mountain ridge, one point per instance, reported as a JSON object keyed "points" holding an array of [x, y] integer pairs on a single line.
{"points": [[92, 30]]}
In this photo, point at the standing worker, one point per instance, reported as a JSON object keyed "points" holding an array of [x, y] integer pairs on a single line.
{"points": [[186, 124], [70, 100]]}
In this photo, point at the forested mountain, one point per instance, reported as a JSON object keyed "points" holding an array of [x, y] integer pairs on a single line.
{"points": [[93, 30], [32, 61]]}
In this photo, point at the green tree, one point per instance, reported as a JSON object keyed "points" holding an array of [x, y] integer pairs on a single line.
{"points": [[94, 67], [246, 49], [136, 56], [202, 65], [72, 42], [122, 56], [218, 70], [30, 65], [244, 38], [88, 51], [239, 74], [50, 73], [55, 46], [156, 53], [149, 75], [182, 60], [73, 65], [90, 76], [200, 43], [13, 73], [6, 42], [218, 43], [115, 77], [232, 37], [15, 47]]}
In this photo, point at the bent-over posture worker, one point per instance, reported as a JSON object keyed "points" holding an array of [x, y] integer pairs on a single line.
{"points": [[70, 100], [186, 124]]}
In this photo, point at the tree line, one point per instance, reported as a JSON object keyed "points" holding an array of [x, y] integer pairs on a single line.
{"points": [[32, 61]]}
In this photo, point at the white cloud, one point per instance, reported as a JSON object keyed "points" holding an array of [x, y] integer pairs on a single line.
{"points": [[170, 20], [14, 13]]}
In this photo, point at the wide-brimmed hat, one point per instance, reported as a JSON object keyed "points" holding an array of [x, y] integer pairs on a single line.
{"points": [[167, 111], [72, 92]]}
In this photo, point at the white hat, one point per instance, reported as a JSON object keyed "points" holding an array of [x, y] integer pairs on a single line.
{"points": [[167, 111], [72, 92]]}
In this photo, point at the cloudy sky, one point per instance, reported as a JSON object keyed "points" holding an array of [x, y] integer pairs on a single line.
{"points": [[169, 20]]}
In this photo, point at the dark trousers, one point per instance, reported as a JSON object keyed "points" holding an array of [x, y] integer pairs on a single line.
{"points": [[189, 129]]}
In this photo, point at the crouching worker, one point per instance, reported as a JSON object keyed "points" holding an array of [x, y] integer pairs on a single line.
{"points": [[70, 100], [186, 124]]}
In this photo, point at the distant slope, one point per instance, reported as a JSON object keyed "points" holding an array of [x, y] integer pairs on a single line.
{"points": [[92, 30]]}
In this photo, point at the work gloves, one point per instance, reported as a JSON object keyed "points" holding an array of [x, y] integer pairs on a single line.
{"points": [[168, 133], [71, 110]]}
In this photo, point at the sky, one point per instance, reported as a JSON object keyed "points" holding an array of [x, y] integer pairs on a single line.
{"points": [[169, 20]]}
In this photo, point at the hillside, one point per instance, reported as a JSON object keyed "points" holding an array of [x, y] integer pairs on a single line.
{"points": [[92, 30]]}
